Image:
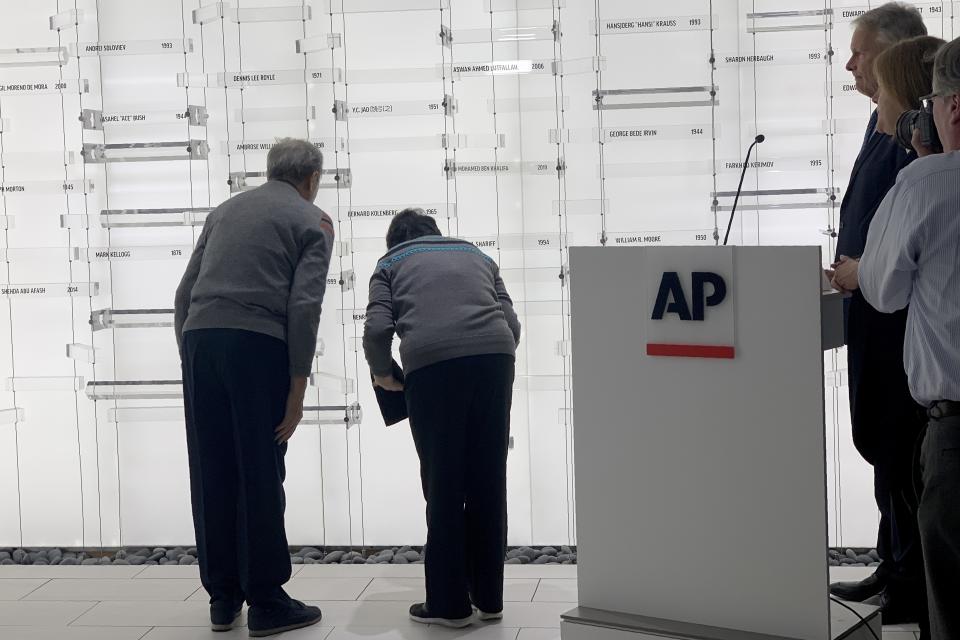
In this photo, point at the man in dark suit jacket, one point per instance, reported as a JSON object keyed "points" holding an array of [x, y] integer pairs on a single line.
{"points": [[885, 418]]}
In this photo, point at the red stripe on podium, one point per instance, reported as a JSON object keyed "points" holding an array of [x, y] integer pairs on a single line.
{"points": [[690, 351]]}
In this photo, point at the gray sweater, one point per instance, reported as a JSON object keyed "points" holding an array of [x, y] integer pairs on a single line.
{"points": [[444, 298], [260, 265]]}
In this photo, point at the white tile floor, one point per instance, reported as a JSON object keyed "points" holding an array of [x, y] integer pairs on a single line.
{"points": [[359, 602]]}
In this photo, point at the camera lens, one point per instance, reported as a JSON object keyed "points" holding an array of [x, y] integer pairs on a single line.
{"points": [[905, 126]]}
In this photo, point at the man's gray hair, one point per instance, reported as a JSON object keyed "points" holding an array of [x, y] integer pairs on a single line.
{"points": [[893, 22], [946, 69], [293, 160]]}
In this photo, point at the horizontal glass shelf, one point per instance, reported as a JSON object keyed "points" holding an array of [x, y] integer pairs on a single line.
{"points": [[612, 135], [581, 207], [145, 151], [50, 290], [542, 307], [33, 57], [348, 415], [333, 382], [96, 254], [375, 211], [130, 47], [263, 146], [67, 19], [400, 75], [788, 206], [803, 20], [672, 237], [42, 88], [275, 114], [428, 143], [402, 108], [173, 413], [379, 6], [45, 383], [773, 58], [134, 389], [500, 35], [47, 187], [522, 5], [42, 158], [467, 169], [25, 253], [145, 218], [260, 78], [542, 382], [11, 415], [290, 13], [130, 318], [539, 275], [333, 179], [665, 97], [653, 24], [82, 352], [94, 119], [320, 43], [829, 191], [527, 105]]}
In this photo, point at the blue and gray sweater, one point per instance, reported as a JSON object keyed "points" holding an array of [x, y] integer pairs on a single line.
{"points": [[444, 298]]}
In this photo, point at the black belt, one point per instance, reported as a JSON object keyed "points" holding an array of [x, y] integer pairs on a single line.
{"points": [[944, 409]]}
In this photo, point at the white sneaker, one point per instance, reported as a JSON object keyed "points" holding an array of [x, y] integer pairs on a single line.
{"points": [[487, 617]]}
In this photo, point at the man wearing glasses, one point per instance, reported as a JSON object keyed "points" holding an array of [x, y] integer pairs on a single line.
{"points": [[912, 257], [885, 419]]}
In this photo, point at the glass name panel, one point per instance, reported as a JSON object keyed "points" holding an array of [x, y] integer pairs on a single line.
{"points": [[501, 68], [428, 143], [653, 24], [173, 413], [95, 254], [447, 106], [263, 146], [519, 242], [527, 105], [347, 416], [533, 168], [289, 13], [522, 5], [47, 187], [93, 119], [336, 179], [320, 43], [502, 34], [587, 207], [33, 57], [706, 167], [671, 237], [49, 290], [665, 97], [130, 47], [43, 87], [615, 135], [398, 75], [781, 57], [375, 211], [776, 21], [260, 78], [333, 382]]}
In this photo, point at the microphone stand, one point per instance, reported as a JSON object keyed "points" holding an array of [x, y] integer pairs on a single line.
{"points": [[743, 174]]}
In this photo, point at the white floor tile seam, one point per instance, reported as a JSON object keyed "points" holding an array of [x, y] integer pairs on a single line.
{"points": [[39, 586], [86, 611]]}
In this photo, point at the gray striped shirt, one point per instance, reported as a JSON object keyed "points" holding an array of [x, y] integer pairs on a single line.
{"points": [[913, 257]]}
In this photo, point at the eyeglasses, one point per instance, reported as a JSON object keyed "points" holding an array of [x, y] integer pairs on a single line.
{"points": [[926, 102]]}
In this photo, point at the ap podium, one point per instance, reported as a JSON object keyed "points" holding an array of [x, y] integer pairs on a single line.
{"points": [[698, 399]]}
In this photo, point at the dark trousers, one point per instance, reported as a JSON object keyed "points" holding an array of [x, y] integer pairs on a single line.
{"points": [[235, 387], [939, 517], [460, 418]]}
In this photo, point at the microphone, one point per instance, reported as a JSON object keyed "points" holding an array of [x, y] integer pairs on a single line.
{"points": [[746, 163]]}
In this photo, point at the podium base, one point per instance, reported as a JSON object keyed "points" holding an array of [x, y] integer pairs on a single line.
{"points": [[584, 623]]}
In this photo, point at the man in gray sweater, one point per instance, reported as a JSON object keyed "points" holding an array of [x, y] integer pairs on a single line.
{"points": [[246, 319]]}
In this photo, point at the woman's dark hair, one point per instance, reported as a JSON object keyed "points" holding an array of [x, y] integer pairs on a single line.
{"points": [[410, 224]]}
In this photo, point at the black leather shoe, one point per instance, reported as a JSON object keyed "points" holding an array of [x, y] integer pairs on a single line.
{"points": [[895, 610], [859, 591], [271, 621], [419, 613]]}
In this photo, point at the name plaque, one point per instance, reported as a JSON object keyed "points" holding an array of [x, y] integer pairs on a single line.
{"points": [[130, 47], [41, 87], [653, 24]]}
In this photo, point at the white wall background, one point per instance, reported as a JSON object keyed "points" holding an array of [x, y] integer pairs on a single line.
{"points": [[74, 471]]}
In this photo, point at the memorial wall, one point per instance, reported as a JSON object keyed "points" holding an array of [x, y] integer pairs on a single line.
{"points": [[525, 126]]}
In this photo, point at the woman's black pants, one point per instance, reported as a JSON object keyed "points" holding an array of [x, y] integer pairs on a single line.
{"points": [[460, 418]]}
